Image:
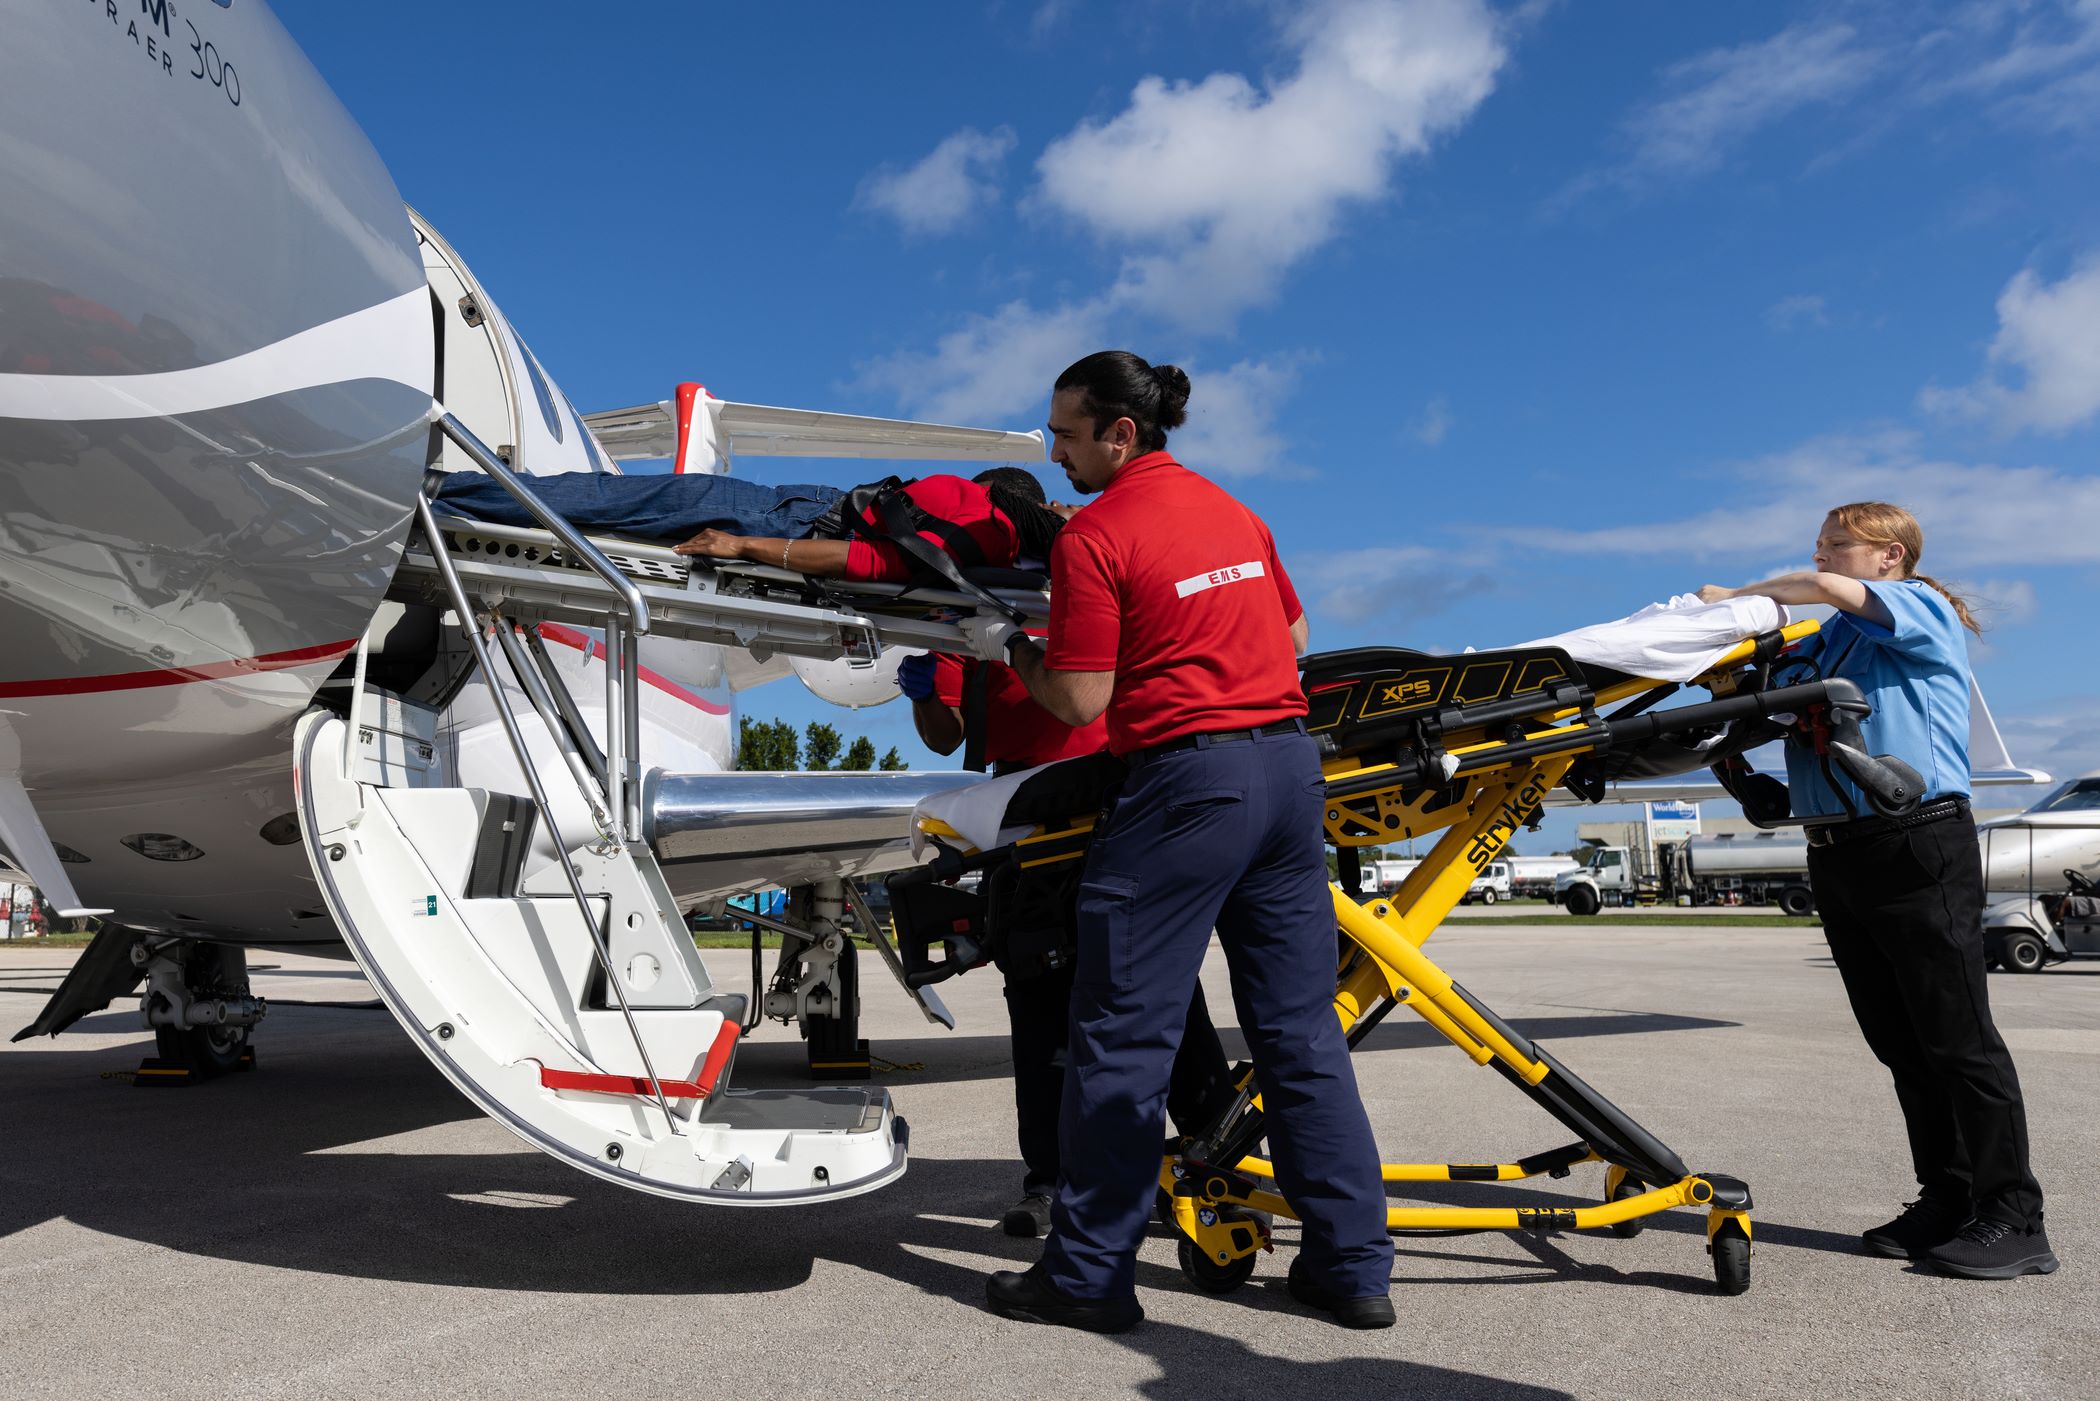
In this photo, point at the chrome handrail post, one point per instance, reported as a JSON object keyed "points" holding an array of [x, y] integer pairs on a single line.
{"points": [[571, 538], [615, 725], [631, 740]]}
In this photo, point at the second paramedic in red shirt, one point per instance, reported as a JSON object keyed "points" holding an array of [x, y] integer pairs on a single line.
{"points": [[1172, 616]]}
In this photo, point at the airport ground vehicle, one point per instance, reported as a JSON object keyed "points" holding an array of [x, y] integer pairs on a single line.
{"points": [[1493, 883], [2038, 866], [1732, 868]]}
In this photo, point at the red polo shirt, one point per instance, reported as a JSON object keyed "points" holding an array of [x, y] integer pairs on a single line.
{"points": [[1017, 730], [956, 499], [1175, 586]]}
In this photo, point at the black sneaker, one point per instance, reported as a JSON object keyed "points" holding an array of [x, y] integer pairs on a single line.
{"points": [[1375, 1311], [1028, 1217], [1924, 1223], [1991, 1249], [1031, 1298]]}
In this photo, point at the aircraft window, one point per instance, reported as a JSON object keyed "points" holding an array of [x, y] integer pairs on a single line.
{"points": [[2083, 796], [541, 392]]}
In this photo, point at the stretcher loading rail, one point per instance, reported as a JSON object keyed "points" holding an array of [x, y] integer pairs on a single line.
{"points": [[536, 577]]}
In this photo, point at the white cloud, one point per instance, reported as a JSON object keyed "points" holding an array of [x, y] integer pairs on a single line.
{"points": [[946, 188], [1719, 98], [2061, 741], [1975, 516], [992, 369], [1232, 420], [2049, 337], [1398, 582], [1434, 422], [1214, 189], [2027, 63], [1803, 308]]}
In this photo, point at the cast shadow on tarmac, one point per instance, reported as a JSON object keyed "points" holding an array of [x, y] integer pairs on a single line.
{"points": [[254, 1169]]}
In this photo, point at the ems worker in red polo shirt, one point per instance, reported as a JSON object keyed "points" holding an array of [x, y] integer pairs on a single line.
{"points": [[1171, 615], [1036, 940]]}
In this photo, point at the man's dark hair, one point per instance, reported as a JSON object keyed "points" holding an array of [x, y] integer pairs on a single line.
{"points": [[1115, 384], [1019, 497]]}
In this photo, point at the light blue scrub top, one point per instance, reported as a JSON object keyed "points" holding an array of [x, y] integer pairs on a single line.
{"points": [[1915, 675]]}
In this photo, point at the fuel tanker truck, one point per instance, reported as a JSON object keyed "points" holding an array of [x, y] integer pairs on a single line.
{"points": [[1729, 868]]}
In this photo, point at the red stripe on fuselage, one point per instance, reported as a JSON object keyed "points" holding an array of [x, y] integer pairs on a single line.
{"points": [[177, 675], [570, 637]]}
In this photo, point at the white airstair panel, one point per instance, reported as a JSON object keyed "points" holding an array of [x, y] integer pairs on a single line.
{"points": [[507, 993]]}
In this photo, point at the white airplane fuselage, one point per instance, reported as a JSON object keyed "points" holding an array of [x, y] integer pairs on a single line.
{"points": [[221, 339]]}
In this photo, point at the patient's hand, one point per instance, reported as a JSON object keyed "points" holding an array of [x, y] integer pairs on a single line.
{"points": [[713, 544], [1714, 593]]}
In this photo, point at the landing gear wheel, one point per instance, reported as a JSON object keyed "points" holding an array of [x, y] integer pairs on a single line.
{"points": [[208, 1050], [2023, 953], [1731, 1251], [1209, 1275], [1628, 1187]]}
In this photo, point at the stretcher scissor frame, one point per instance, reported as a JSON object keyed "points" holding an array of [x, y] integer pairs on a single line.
{"points": [[1476, 769]]}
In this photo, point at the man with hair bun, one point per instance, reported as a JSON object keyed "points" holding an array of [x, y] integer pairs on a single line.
{"points": [[1173, 617]]}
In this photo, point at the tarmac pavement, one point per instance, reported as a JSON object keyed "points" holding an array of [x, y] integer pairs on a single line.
{"points": [[341, 1224]]}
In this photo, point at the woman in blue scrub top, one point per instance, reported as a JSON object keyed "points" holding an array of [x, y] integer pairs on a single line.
{"points": [[1902, 898]]}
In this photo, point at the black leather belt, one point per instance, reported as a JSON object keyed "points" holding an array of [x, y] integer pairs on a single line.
{"points": [[1838, 833], [1293, 726]]}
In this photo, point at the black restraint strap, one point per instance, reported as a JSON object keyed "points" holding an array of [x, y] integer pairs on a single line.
{"points": [[902, 520]]}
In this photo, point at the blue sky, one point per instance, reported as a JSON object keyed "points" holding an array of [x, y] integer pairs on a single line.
{"points": [[1509, 318]]}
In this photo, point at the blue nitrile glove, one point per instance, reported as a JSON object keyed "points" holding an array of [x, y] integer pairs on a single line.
{"points": [[915, 676]]}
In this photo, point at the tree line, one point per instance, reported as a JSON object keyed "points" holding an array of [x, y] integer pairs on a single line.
{"points": [[773, 746]]}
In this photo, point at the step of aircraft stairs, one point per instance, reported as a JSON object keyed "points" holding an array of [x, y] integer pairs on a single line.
{"points": [[608, 1047]]}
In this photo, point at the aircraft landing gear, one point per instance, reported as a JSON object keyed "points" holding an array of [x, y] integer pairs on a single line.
{"points": [[198, 1005], [817, 982]]}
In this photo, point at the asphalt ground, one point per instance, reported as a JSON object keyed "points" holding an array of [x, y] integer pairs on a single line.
{"points": [[340, 1224]]}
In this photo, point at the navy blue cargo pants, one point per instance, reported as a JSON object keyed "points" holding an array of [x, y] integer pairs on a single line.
{"points": [[1225, 836]]}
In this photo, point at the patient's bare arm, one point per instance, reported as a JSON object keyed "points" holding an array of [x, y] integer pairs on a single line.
{"points": [[825, 559]]}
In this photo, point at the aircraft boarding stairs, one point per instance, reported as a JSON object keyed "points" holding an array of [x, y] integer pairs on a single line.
{"points": [[554, 981]]}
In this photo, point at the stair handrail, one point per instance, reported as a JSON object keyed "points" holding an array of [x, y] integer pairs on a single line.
{"points": [[470, 624], [571, 538]]}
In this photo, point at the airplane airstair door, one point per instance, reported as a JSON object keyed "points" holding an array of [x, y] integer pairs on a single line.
{"points": [[601, 1042]]}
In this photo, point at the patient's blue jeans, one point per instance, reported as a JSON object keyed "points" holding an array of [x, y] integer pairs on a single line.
{"points": [[665, 508]]}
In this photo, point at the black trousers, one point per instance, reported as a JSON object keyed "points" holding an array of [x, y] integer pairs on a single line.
{"points": [[1903, 912], [1039, 1011]]}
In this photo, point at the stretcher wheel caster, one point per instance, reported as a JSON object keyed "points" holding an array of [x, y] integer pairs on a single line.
{"points": [[1731, 1251], [1209, 1275], [1628, 1187]]}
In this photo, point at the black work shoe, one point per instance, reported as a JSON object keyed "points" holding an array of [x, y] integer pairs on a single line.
{"points": [[1033, 1299], [1028, 1217], [1990, 1249], [1924, 1223], [1373, 1312]]}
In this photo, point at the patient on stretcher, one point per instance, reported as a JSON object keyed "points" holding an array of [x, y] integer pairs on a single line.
{"points": [[865, 533]]}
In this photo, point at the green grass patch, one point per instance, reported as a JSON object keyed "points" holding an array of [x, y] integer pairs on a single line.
{"points": [[51, 941]]}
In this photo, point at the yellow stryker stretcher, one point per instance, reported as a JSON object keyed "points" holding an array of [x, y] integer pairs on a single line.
{"points": [[1468, 746]]}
